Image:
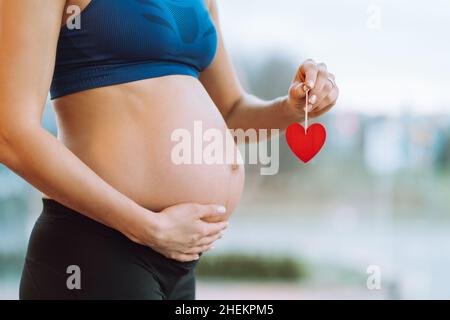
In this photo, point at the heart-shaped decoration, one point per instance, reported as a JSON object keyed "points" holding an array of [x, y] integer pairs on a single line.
{"points": [[306, 144]]}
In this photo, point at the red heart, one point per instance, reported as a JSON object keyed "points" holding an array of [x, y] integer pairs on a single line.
{"points": [[306, 145]]}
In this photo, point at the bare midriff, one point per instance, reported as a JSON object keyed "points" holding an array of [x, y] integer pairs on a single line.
{"points": [[124, 133]]}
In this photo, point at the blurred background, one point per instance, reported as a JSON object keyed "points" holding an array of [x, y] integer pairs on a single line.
{"points": [[376, 198]]}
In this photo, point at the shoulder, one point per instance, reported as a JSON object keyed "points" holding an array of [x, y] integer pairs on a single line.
{"points": [[212, 7]]}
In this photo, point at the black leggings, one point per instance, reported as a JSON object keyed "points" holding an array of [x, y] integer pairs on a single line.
{"points": [[73, 257]]}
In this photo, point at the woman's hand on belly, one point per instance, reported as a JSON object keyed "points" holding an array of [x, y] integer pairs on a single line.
{"points": [[181, 231]]}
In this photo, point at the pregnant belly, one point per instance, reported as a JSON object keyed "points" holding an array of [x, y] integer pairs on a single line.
{"points": [[151, 140]]}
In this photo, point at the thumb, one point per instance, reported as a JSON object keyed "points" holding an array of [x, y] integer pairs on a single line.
{"points": [[297, 90], [211, 211]]}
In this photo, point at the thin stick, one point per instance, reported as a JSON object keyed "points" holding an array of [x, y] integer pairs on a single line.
{"points": [[306, 110]]}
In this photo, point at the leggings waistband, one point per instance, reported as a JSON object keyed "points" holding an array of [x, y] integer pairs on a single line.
{"points": [[55, 210]]}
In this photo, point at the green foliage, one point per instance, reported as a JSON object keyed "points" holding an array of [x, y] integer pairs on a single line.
{"points": [[251, 267]]}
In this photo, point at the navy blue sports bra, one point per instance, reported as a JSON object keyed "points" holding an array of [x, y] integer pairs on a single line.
{"points": [[128, 40]]}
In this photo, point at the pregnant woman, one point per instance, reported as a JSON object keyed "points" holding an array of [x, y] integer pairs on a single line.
{"points": [[120, 219]]}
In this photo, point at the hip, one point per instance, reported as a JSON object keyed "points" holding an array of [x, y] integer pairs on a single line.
{"points": [[65, 245]]}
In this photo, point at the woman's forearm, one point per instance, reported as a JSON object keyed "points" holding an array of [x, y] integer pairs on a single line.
{"points": [[47, 164], [251, 112], [179, 232]]}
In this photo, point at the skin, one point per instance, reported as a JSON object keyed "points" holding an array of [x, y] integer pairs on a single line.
{"points": [[111, 159]]}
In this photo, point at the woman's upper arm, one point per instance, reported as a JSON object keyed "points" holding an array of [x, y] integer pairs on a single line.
{"points": [[29, 33], [220, 79]]}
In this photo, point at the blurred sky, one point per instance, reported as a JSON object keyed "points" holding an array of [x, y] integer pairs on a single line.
{"points": [[388, 56]]}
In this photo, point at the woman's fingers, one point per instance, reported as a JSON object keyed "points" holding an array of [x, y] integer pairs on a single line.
{"points": [[329, 101], [206, 230], [202, 245], [212, 229], [321, 85], [297, 91], [325, 94], [199, 249], [304, 79], [209, 240], [309, 72], [322, 88], [210, 211], [183, 257], [190, 252]]}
